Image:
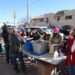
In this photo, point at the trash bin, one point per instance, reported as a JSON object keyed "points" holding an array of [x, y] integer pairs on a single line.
{"points": [[28, 46]]}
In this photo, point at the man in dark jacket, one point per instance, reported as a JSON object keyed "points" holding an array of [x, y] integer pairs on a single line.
{"points": [[35, 35], [16, 49], [5, 36]]}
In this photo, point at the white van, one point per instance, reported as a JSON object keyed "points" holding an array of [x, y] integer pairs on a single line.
{"points": [[41, 30]]}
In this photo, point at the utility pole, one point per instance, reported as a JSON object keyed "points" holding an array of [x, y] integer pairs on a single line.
{"points": [[14, 17], [27, 12]]}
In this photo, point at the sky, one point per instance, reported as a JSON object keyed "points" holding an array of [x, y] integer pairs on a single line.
{"points": [[36, 8]]}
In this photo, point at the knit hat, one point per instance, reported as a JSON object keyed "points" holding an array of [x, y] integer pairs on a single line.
{"points": [[56, 30]]}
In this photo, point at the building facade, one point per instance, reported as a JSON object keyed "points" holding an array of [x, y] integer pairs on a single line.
{"points": [[61, 18]]}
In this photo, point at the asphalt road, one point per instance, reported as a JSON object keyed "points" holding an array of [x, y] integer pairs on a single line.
{"points": [[6, 69]]}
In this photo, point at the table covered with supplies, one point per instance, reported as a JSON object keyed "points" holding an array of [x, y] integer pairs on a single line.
{"points": [[46, 63]]}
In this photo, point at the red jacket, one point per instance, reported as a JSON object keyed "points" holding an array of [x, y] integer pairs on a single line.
{"points": [[73, 58], [70, 59], [69, 45], [22, 34]]}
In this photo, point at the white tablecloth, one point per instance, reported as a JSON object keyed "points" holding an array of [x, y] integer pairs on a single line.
{"points": [[46, 58]]}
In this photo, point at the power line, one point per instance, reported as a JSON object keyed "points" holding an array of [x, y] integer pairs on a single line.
{"points": [[28, 5]]}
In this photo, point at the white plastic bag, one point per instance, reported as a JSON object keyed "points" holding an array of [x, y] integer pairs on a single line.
{"points": [[56, 54]]}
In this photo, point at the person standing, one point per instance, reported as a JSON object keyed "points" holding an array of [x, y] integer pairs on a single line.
{"points": [[1, 41], [35, 35], [16, 49], [70, 59], [55, 41], [5, 36]]}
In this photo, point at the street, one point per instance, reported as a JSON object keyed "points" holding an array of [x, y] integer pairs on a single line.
{"points": [[6, 69]]}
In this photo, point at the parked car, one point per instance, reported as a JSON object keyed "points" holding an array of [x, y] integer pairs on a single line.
{"points": [[51, 27], [65, 29], [41, 30]]}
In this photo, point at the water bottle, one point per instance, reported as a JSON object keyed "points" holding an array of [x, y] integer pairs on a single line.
{"points": [[56, 54]]}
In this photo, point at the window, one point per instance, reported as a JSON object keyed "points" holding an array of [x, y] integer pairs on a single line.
{"points": [[68, 17], [41, 20], [60, 12], [58, 18], [47, 20]]}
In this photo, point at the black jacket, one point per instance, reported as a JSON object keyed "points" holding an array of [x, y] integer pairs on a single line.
{"points": [[5, 35]]}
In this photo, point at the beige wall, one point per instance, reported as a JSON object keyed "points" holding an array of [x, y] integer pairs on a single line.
{"points": [[64, 21], [53, 19]]}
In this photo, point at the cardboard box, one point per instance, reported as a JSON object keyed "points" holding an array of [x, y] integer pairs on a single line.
{"points": [[44, 68]]}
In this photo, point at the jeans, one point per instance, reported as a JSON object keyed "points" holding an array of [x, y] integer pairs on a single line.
{"points": [[20, 57], [71, 70], [0, 48], [7, 49], [11, 58]]}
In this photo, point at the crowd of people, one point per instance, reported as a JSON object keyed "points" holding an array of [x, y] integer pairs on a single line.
{"points": [[14, 40], [13, 44]]}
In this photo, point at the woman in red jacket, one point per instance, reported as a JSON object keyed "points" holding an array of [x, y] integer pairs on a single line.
{"points": [[70, 59]]}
